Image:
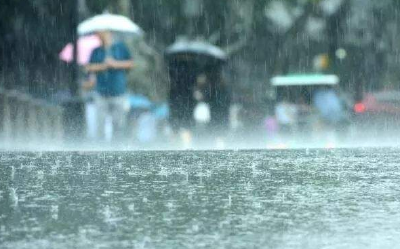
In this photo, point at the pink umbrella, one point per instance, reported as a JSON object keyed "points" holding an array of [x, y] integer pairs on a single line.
{"points": [[86, 44]]}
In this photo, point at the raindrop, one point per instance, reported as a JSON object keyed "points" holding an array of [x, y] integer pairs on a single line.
{"points": [[257, 205], [40, 175], [14, 197], [170, 205], [54, 212], [195, 228], [107, 214], [12, 173], [88, 168]]}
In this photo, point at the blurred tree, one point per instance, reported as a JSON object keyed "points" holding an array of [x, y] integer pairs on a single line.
{"points": [[32, 32], [97, 6], [263, 37]]}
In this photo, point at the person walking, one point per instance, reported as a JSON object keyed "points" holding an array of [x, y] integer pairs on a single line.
{"points": [[286, 114], [110, 63]]}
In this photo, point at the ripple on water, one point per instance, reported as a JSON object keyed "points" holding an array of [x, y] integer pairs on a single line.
{"points": [[199, 199]]}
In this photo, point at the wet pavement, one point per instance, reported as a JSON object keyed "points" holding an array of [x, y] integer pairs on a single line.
{"points": [[308, 198]]}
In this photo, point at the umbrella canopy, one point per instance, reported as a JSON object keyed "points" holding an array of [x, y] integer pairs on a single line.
{"points": [[305, 80], [108, 22], [184, 46], [86, 44]]}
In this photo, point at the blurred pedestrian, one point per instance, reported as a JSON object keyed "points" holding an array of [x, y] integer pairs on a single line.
{"points": [[271, 125], [88, 93], [147, 127], [218, 96], [329, 106], [286, 115], [110, 62]]}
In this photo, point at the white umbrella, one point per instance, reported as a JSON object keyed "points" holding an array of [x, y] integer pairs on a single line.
{"points": [[108, 22]]}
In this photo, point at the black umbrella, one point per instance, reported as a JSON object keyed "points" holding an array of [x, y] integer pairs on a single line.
{"points": [[195, 49]]}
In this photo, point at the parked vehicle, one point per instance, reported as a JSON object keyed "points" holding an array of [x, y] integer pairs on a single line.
{"points": [[378, 113], [318, 109]]}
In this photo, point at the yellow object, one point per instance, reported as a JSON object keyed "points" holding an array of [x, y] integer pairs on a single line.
{"points": [[321, 62]]}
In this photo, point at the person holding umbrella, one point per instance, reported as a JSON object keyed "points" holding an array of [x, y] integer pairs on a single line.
{"points": [[109, 63]]}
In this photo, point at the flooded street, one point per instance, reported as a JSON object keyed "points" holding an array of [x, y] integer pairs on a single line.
{"points": [[201, 199]]}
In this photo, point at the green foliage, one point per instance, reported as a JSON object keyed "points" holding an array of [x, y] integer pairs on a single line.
{"points": [[98, 6], [31, 35]]}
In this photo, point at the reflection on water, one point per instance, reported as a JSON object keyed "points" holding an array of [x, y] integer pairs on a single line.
{"points": [[200, 199]]}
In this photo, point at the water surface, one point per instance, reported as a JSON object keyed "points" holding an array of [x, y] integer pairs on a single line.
{"points": [[343, 198]]}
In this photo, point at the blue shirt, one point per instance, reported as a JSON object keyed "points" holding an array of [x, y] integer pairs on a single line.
{"points": [[328, 103], [111, 82]]}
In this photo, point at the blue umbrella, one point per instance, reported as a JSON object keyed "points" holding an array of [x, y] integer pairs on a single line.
{"points": [[161, 111], [139, 101]]}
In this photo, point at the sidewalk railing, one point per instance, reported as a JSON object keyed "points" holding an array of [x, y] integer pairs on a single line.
{"points": [[26, 122]]}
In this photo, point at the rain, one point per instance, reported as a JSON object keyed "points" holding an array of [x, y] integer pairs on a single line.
{"points": [[199, 124]]}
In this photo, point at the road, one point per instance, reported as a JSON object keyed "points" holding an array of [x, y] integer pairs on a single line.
{"points": [[307, 198]]}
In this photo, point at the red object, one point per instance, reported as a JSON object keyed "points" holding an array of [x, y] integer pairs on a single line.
{"points": [[359, 108], [378, 104]]}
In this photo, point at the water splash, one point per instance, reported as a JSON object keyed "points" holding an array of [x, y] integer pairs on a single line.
{"points": [[107, 214], [54, 212], [14, 197], [12, 173]]}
